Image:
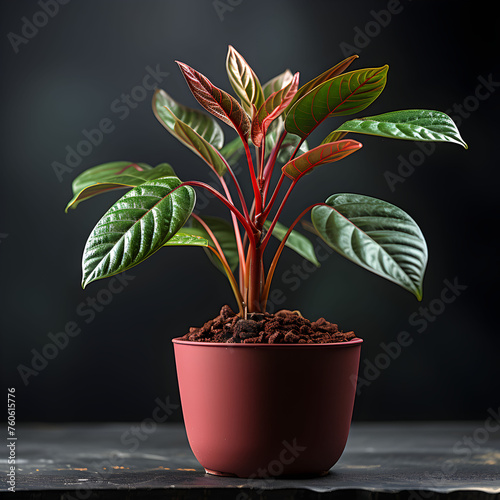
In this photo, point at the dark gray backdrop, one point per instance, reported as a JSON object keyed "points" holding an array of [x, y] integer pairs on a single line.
{"points": [[67, 71]]}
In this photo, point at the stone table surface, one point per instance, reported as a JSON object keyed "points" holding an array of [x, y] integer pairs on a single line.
{"points": [[124, 461]]}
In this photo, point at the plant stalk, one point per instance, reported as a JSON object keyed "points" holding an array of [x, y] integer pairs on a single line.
{"points": [[255, 280]]}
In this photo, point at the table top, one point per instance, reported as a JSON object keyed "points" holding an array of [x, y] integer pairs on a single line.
{"points": [[404, 460]]}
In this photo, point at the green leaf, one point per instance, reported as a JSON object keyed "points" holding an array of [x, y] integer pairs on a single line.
{"points": [[216, 101], [296, 241], [375, 235], [114, 175], [243, 80], [224, 232], [409, 124], [289, 144], [233, 151], [198, 145], [342, 95], [333, 137], [327, 75], [277, 83], [325, 153], [288, 147], [135, 227], [204, 125], [183, 239]]}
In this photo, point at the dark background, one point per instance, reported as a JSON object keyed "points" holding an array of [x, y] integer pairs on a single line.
{"points": [[65, 79]]}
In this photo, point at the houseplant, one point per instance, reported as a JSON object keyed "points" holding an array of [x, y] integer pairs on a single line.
{"points": [[255, 412]]}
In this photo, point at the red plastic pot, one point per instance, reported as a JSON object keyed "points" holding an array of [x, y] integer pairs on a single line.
{"points": [[267, 410]]}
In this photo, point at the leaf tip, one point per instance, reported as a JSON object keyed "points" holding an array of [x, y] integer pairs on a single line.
{"points": [[183, 66]]}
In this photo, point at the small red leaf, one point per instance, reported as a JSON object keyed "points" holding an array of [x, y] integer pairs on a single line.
{"points": [[325, 153], [216, 101], [275, 104]]}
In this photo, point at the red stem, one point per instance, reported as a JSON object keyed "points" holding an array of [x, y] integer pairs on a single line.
{"points": [[255, 186], [226, 202], [268, 170], [237, 234], [255, 284], [271, 202], [210, 233], [278, 213], [238, 188], [275, 194], [274, 263]]}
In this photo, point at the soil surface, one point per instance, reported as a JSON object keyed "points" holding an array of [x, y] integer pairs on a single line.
{"points": [[284, 327]]}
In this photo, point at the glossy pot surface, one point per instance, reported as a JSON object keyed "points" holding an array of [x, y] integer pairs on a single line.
{"points": [[267, 410]]}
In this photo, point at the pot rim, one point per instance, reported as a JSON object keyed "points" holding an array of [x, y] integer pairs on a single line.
{"points": [[349, 343]]}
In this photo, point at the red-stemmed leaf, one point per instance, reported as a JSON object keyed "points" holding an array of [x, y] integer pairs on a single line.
{"points": [[325, 153], [327, 75], [277, 83], [216, 101], [114, 175], [196, 143], [275, 104], [342, 95]]}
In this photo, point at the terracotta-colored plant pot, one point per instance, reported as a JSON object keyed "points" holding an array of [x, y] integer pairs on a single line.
{"points": [[267, 410]]}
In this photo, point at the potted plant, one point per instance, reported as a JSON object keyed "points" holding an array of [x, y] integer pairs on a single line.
{"points": [[263, 394]]}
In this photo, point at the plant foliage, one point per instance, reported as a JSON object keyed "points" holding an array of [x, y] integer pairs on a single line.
{"points": [[275, 120]]}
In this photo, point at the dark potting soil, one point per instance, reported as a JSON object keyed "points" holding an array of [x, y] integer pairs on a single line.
{"points": [[284, 327]]}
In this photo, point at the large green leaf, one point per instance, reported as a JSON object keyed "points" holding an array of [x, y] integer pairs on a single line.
{"points": [[224, 232], [409, 124], [136, 226], [114, 175], [324, 153], [342, 95], [216, 101], [204, 125], [198, 145], [375, 235], [325, 76], [296, 241], [243, 80]]}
